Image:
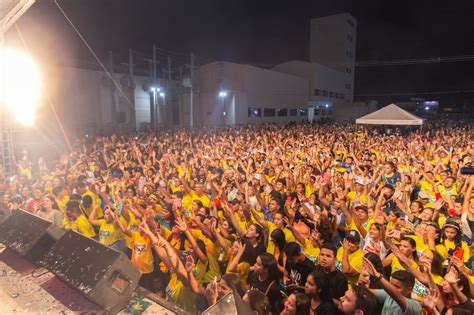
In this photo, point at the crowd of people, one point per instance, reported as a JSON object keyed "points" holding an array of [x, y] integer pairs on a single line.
{"points": [[301, 219]]}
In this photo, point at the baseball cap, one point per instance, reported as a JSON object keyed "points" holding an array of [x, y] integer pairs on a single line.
{"points": [[360, 180], [353, 237], [362, 207]]}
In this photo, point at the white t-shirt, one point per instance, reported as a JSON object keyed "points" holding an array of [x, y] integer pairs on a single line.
{"points": [[369, 246]]}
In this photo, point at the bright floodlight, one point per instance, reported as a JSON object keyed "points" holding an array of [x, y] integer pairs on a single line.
{"points": [[222, 94], [427, 108], [327, 105], [152, 89], [20, 85], [162, 94]]}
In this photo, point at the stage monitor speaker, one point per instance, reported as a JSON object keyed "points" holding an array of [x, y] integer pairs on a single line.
{"points": [[29, 235], [103, 275], [229, 304]]}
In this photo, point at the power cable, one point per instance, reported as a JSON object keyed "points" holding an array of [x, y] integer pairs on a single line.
{"points": [[95, 56]]}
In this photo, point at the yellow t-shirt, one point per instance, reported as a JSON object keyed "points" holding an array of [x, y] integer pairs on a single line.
{"points": [[355, 260], [205, 273], [444, 191], [83, 226], [289, 237], [311, 251], [353, 196], [244, 270], [180, 295], [62, 203], [189, 198], [396, 265], [243, 224], [450, 245], [142, 257], [108, 233], [365, 225], [132, 226], [96, 201]]}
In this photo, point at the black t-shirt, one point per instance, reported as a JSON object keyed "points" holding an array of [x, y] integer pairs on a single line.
{"points": [[259, 249], [274, 295], [300, 270], [337, 283], [326, 308]]}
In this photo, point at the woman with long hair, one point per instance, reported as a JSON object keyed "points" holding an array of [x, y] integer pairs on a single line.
{"points": [[317, 289], [297, 304], [408, 249], [279, 242], [265, 277], [451, 239], [50, 212], [257, 301]]}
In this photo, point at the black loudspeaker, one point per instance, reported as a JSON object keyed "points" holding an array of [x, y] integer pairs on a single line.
{"points": [[103, 275], [229, 304], [28, 235]]}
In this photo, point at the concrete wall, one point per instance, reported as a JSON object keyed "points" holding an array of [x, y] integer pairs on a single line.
{"points": [[247, 87]]}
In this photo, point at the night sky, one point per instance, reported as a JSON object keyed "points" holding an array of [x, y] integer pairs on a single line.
{"points": [[268, 32]]}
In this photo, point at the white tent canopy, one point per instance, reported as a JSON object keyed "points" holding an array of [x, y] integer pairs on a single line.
{"points": [[390, 115]]}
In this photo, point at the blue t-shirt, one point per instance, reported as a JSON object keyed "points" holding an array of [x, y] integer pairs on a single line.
{"points": [[391, 307]]}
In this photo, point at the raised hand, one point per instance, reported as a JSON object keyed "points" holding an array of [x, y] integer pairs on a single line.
{"points": [[181, 225], [430, 300], [452, 277], [369, 267], [189, 266]]}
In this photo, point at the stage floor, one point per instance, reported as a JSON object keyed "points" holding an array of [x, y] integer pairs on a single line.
{"points": [[29, 290]]}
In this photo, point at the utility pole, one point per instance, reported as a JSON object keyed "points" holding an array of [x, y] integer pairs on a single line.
{"points": [[131, 86], [112, 88], [191, 91], [168, 97], [156, 108], [152, 97], [180, 105]]}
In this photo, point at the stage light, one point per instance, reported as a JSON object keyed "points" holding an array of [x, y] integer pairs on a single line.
{"points": [[20, 85], [222, 94]]}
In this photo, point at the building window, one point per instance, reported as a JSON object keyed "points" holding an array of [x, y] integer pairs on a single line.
{"points": [[325, 93], [331, 94], [255, 112], [317, 92], [350, 22], [293, 112], [269, 112], [303, 112], [282, 112], [348, 86]]}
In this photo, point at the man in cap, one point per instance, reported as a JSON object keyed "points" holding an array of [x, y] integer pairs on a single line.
{"points": [[349, 257]]}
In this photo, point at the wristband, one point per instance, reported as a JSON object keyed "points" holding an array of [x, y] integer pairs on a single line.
{"points": [[380, 277]]}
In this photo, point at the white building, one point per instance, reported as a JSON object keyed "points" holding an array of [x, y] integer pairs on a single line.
{"points": [[333, 44], [326, 88], [234, 94]]}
